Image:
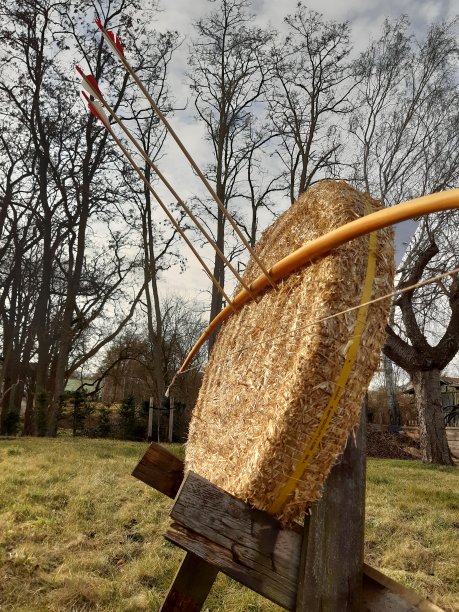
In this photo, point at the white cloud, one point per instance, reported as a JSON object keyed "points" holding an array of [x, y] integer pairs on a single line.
{"points": [[365, 17]]}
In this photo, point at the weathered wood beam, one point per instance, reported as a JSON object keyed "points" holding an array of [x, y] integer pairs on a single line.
{"points": [[246, 544], [190, 586], [330, 577], [161, 470]]}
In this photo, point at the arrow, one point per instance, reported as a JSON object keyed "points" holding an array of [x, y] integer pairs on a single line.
{"points": [[115, 45], [89, 83], [96, 109], [111, 38]]}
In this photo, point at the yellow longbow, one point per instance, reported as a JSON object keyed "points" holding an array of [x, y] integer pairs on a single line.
{"points": [[313, 250]]}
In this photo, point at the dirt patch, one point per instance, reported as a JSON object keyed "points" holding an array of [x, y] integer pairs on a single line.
{"points": [[392, 445]]}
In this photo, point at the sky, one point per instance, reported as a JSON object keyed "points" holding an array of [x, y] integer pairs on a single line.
{"points": [[365, 17]]}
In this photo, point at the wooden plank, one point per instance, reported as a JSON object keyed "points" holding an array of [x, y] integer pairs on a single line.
{"points": [[331, 575], [191, 586], [249, 545], [231, 563], [160, 469], [379, 588]]}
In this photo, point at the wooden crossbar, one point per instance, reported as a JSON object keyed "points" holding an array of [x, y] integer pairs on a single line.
{"points": [[246, 544], [161, 470]]}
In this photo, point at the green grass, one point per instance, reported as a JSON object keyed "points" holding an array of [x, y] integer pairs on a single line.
{"points": [[78, 533], [412, 526]]}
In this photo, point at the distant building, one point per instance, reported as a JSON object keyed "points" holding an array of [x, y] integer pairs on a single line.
{"points": [[86, 385], [449, 387]]}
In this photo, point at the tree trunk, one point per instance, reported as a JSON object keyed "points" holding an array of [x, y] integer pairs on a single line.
{"points": [[30, 424], [153, 305], [40, 324], [391, 394], [219, 274], [5, 384], [434, 445]]}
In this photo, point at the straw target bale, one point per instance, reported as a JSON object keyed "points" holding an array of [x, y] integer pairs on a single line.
{"points": [[276, 364]]}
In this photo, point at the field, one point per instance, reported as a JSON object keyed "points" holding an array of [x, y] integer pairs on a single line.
{"points": [[78, 533]]}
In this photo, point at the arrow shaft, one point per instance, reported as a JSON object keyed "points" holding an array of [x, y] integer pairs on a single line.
{"points": [[184, 150], [169, 216], [98, 95]]}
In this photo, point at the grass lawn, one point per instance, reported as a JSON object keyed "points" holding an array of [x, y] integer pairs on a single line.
{"points": [[412, 526], [77, 532]]}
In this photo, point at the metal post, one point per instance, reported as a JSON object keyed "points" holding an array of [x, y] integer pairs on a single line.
{"points": [[171, 419], [150, 420]]}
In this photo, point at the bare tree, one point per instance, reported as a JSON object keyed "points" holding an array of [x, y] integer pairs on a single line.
{"points": [[405, 126], [310, 94], [152, 52], [425, 338], [406, 142], [262, 182], [129, 365], [17, 195], [227, 77], [74, 183], [158, 240]]}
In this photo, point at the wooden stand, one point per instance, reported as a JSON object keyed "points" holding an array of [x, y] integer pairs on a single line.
{"points": [[317, 567]]}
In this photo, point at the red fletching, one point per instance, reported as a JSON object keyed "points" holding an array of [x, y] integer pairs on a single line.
{"points": [[92, 83], [111, 37], [97, 113], [116, 42]]}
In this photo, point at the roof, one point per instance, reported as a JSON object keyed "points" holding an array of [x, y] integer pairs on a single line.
{"points": [[446, 381], [86, 384]]}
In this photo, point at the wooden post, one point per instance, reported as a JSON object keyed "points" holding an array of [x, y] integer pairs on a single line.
{"points": [[150, 420], [330, 578], [191, 585], [171, 420], [158, 424]]}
